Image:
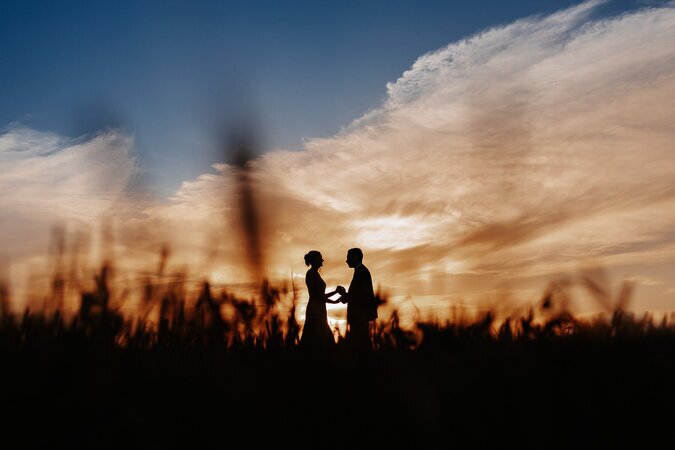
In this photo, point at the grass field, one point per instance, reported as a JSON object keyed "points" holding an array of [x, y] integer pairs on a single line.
{"points": [[199, 378]]}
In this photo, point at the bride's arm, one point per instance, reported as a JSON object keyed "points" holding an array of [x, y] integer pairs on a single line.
{"points": [[330, 294], [328, 300]]}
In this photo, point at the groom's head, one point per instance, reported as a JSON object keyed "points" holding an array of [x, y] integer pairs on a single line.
{"points": [[354, 257]]}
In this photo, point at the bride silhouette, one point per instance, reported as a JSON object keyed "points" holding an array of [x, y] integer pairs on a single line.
{"points": [[316, 333]]}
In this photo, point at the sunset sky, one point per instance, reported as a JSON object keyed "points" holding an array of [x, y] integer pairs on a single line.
{"points": [[475, 152]]}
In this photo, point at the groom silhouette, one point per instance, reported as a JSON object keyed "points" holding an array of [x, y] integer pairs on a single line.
{"points": [[360, 299]]}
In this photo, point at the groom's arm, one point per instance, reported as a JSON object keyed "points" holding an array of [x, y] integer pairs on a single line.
{"points": [[358, 289]]}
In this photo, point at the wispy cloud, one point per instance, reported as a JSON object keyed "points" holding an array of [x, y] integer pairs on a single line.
{"points": [[47, 179], [548, 139]]}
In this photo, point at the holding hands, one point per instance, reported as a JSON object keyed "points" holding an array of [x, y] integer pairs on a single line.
{"points": [[338, 290], [343, 294]]}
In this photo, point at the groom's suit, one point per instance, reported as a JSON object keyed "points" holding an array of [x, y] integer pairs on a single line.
{"points": [[361, 307]]}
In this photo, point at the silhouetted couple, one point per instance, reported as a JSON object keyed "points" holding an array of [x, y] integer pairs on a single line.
{"points": [[360, 300]]}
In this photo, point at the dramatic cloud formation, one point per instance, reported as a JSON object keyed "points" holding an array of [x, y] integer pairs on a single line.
{"points": [[500, 162]]}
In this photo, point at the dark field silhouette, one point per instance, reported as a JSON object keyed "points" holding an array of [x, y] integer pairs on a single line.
{"points": [[199, 378]]}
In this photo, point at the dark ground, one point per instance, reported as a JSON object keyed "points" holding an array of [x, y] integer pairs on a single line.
{"points": [[96, 383]]}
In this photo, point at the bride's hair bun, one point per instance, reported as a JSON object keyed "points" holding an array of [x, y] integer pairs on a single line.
{"points": [[311, 257]]}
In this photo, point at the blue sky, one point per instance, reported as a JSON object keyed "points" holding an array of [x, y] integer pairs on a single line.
{"points": [[175, 74]]}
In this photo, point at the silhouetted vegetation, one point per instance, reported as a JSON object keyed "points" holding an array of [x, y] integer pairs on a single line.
{"points": [[230, 372]]}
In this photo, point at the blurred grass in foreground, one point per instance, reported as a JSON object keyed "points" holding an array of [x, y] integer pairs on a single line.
{"points": [[199, 377]]}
